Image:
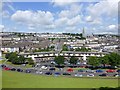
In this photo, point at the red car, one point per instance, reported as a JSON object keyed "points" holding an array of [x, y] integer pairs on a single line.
{"points": [[70, 70], [110, 71], [6, 68]]}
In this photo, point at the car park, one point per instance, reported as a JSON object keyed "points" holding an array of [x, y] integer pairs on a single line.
{"points": [[90, 75]]}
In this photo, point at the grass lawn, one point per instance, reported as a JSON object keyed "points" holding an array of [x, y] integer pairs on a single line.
{"points": [[22, 80]]}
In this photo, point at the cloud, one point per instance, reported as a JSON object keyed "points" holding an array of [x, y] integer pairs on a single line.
{"points": [[89, 19], [62, 3], [93, 21], [106, 7], [61, 22], [33, 18], [70, 29], [74, 21], [73, 10], [112, 27]]}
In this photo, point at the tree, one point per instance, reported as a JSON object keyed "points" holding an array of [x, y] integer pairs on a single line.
{"points": [[65, 48], [7, 55], [93, 61], [114, 59], [13, 58], [104, 60], [30, 61], [73, 60], [21, 59], [59, 60]]}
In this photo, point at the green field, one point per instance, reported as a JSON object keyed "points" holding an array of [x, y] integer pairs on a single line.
{"points": [[22, 80]]}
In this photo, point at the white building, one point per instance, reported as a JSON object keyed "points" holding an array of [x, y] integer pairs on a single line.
{"points": [[10, 49]]}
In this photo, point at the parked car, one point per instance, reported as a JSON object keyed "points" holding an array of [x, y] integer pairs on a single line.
{"points": [[116, 75], [48, 73], [44, 67], [13, 69], [70, 70], [3, 65], [80, 70], [78, 75], [6, 68], [52, 62], [52, 69], [110, 71], [90, 75], [28, 71], [19, 70], [39, 72], [66, 73], [118, 71], [57, 73], [103, 74], [99, 71], [90, 71]]}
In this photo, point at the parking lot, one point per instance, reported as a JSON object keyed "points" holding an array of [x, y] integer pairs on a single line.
{"points": [[42, 69]]}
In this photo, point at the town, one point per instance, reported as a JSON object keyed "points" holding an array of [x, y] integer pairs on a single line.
{"points": [[61, 54], [44, 47]]}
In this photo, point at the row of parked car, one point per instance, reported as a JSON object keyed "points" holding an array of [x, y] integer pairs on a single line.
{"points": [[72, 74], [99, 71], [82, 70], [68, 72], [4, 67]]}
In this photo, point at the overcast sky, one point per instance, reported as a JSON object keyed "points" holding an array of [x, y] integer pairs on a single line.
{"points": [[96, 17]]}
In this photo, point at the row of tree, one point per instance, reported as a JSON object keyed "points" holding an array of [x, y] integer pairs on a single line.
{"points": [[112, 59], [60, 60], [14, 58]]}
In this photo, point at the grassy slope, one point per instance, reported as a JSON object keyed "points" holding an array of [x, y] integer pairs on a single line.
{"points": [[21, 80]]}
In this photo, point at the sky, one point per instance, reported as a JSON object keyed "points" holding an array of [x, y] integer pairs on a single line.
{"points": [[55, 16]]}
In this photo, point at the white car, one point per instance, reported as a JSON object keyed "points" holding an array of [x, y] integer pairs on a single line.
{"points": [[78, 75], [116, 75], [38, 72], [90, 75], [44, 67]]}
